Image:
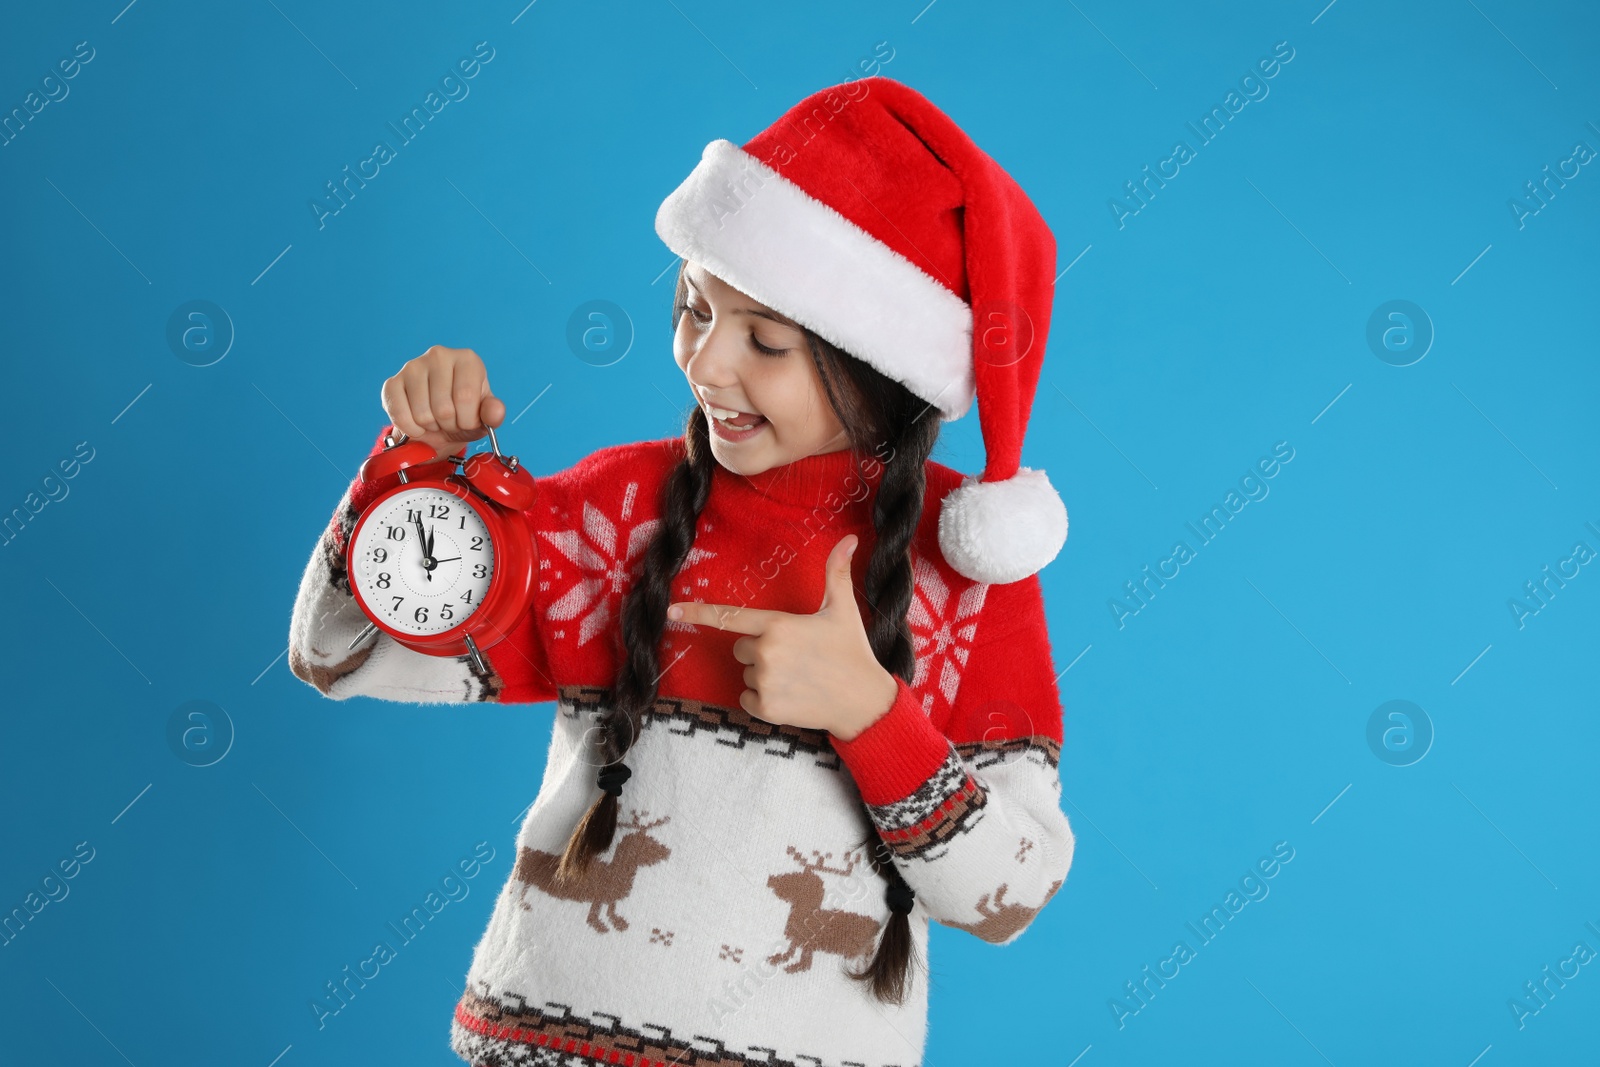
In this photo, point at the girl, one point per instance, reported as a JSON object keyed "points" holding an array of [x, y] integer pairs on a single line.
{"points": [[775, 758]]}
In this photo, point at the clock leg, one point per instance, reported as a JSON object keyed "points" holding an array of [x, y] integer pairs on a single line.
{"points": [[477, 657], [366, 632]]}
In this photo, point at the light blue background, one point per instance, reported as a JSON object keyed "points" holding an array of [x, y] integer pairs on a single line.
{"points": [[1229, 314]]}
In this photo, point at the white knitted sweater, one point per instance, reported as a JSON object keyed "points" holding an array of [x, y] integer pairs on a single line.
{"points": [[718, 927]]}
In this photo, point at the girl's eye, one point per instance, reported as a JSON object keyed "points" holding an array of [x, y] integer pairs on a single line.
{"points": [[705, 317]]}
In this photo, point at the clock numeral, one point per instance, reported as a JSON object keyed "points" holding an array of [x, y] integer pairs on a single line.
{"points": [[397, 602], [421, 614], [466, 598], [383, 580], [396, 533], [479, 570], [446, 613], [477, 544], [463, 525], [412, 514], [438, 511], [380, 555]]}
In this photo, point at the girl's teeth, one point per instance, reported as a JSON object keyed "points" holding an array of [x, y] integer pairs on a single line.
{"points": [[726, 417]]}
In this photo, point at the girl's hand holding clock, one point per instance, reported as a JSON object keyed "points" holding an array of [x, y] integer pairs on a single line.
{"points": [[813, 671], [443, 399]]}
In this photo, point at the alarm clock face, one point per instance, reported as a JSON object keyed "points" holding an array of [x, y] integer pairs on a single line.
{"points": [[422, 560]]}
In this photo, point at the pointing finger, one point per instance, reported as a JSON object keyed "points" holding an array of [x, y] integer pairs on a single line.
{"points": [[722, 616]]}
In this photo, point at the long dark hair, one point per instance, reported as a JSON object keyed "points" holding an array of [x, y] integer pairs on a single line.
{"points": [[875, 411]]}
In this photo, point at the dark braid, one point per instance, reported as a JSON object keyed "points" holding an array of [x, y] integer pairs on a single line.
{"points": [[875, 411], [912, 427], [644, 617]]}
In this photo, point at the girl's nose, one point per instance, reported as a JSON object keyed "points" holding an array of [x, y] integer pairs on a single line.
{"points": [[714, 363]]}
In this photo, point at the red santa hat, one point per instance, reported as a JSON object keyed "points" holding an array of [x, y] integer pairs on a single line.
{"points": [[866, 215]]}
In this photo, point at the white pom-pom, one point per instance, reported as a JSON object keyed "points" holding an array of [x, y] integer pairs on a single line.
{"points": [[1000, 532]]}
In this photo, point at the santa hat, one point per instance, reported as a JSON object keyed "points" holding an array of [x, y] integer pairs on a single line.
{"points": [[866, 215]]}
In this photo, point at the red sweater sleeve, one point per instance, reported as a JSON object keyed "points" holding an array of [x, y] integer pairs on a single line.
{"points": [[521, 662], [967, 797]]}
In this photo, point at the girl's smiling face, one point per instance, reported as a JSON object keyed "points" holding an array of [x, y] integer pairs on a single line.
{"points": [[741, 356]]}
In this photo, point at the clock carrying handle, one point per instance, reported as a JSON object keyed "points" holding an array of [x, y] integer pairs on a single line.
{"points": [[391, 441], [494, 443], [396, 437]]}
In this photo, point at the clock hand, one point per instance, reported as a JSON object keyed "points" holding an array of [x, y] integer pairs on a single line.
{"points": [[422, 542], [452, 559]]}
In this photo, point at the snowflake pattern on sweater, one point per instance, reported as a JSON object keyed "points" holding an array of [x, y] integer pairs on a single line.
{"points": [[717, 928]]}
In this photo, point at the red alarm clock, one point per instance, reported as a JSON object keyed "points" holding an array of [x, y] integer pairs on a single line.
{"points": [[441, 560]]}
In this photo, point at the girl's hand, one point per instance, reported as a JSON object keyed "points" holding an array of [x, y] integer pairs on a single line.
{"points": [[443, 398], [812, 671]]}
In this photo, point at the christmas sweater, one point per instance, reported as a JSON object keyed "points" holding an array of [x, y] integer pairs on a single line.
{"points": [[717, 928]]}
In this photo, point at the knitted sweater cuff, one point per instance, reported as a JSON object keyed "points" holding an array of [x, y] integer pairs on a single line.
{"points": [[899, 752]]}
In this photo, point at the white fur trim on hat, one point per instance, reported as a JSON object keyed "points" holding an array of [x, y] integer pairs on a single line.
{"points": [[768, 238], [1001, 532]]}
